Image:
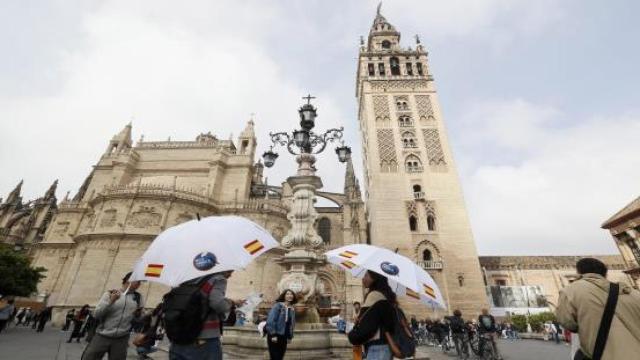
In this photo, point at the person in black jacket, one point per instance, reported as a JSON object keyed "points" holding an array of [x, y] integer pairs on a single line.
{"points": [[376, 318]]}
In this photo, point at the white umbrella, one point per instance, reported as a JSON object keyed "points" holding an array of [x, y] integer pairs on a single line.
{"points": [[405, 277], [200, 247]]}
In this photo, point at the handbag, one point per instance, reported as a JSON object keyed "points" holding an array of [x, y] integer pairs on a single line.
{"points": [[605, 325]]}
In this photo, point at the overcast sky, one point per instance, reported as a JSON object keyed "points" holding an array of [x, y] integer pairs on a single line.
{"points": [[540, 98]]}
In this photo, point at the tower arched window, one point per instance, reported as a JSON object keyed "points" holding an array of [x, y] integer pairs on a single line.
{"points": [[419, 68], [395, 66], [371, 68], [417, 188], [409, 67], [413, 164], [431, 222], [405, 121], [381, 69], [324, 229], [409, 140], [386, 44], [413, 223], [426, 255]]}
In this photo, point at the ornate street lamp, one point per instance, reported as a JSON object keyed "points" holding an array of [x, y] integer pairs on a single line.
{"points": [[304, 140], [302, 243]]}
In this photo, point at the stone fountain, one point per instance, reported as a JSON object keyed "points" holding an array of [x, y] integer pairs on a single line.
{"points": [[313, 338]]}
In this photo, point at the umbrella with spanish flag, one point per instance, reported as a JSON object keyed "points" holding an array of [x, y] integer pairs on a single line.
{"points": [[405, 277], [200, 247]]}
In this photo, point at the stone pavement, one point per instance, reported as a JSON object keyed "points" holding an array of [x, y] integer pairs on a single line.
{"points": [[25, 344], [511, 350]]}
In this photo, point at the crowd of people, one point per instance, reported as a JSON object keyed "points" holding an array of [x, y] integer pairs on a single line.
{"points": [[194, 314], [25, 316]]}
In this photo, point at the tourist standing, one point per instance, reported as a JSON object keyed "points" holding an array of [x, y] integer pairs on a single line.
{"points": [[45, 315], [377, 316], [488, 331], [592, 302], [459, 333], [207, 345], [78, 320], [114, 313], [68, 319], [6, 311], [28, 316], [20, 316], [281, 322]]}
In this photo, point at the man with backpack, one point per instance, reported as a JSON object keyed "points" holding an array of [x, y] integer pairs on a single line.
{"points": [[459, 333], [488, 333], [194, 313], [113, 314], [605, 315]]}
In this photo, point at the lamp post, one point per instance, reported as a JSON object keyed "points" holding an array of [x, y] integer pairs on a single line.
{"points": [[302, 259]]}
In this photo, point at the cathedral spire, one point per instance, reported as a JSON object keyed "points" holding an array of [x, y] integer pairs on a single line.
{"points": [[15, 194], [51, 192], [121, 141], [351, 184]]}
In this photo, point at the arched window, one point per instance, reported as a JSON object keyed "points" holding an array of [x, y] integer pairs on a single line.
{"points": [[324, 229], [404, 121], [417, 188], [386, 44], [371, 69], [395, 66], [413, 164], [413, 223], [381, 69], [426, 255], [409, 140], [419, 68], [431, 223], [409, 69]]}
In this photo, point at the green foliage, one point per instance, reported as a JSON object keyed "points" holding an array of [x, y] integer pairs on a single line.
{"points": [[519, 322], [18, 277], [538, 320]]}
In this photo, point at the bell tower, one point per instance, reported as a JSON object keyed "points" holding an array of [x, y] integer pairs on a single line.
{"points": [[413, 193]]}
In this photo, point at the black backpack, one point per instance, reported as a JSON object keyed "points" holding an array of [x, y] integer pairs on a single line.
{"points": [[403, 342], [185, 309]]}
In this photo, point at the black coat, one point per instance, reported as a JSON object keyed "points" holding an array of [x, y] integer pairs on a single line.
{"points": [[379, 316]]}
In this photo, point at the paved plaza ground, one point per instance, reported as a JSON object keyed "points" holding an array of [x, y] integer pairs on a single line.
{"points": [[25, 344]]}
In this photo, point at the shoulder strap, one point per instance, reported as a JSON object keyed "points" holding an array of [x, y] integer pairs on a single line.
{"points": [[605, 323]]}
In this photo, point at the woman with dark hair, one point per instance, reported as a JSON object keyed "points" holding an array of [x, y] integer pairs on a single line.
{"points": [[280, 324], [376, 318], [78, 320]]}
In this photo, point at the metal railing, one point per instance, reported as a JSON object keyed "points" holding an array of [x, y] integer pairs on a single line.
{"points": [[431, 264]]}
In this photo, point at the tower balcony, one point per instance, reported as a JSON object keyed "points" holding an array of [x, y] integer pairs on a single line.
{"points": [[431, 264], [418, 195], [415, 169]]}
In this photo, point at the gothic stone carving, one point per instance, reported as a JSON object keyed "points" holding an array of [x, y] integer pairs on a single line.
{"points": [[434, 148], [145, 217], [387, 151], [61, 228], [109, 218]]}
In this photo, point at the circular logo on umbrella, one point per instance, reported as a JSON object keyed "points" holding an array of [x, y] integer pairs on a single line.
{"points": [[205, 261], [390, 268]]}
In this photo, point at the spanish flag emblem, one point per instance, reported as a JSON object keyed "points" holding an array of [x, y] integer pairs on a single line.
{"points": [[348, 264], [412, 294], [253, 247], [429, 290], [348, 254], [153, 270]]}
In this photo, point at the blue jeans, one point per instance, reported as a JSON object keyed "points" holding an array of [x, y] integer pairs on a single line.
{"points": [[203, 349], [378, 352]]}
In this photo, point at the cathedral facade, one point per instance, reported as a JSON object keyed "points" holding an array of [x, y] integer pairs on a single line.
{"points": [[413, 194], [136, 191], [413, 197]]}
